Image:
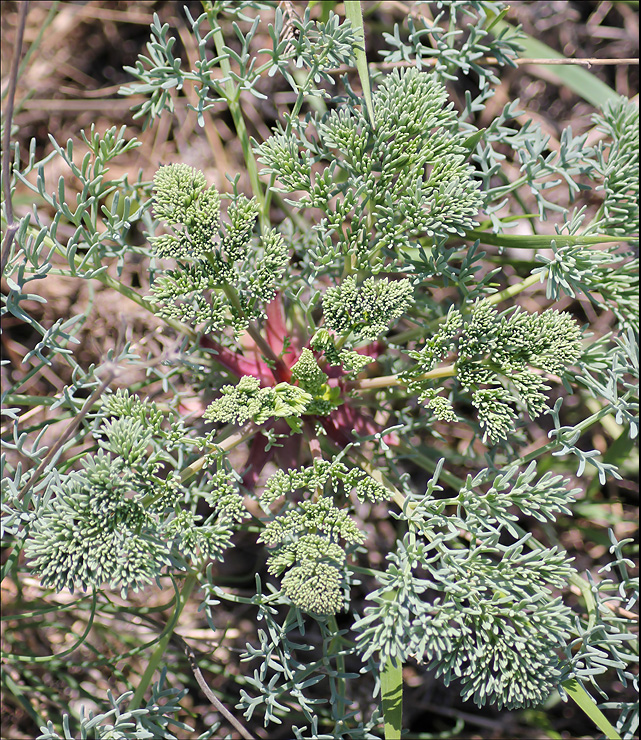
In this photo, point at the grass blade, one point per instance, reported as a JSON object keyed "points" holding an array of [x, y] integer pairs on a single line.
{"points": [[587, 705], [392, 696], [354, 14], [392, 693], [579, 80]]}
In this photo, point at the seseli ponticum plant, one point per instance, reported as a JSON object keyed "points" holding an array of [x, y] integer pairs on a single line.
{"points": [[355, 391]]}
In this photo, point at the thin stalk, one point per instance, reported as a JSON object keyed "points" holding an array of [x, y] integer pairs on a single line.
{"points": [[392, 694], [21, 697], [515, 289], [233, 101], [408, 335], [354, 14], [456, 482], [49, 658], [69, 431], [587, 705], [190, 583], [12, 226], [334, 649], [241, 436], [300, 97], [534, 241], [428, 464], [389, 381], [581, 426], [279, 370]]}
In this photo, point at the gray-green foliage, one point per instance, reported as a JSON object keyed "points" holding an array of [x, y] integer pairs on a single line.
{"points": [[491, 618], [118, 522], [120, 723], [498, 363], [227, 279], [378, 223], [407, 177]]}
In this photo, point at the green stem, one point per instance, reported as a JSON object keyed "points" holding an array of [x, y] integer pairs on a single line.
{"points": [[241, 436], [581, 426], [392, 694], [302, 92], [515, 289], [408, 335], [147, 677], [335, 649], [430, 465], [23, 699], [455, 482], [534, 241], [279, 368], [50, 658], [233, 101], [354, 14], [389, 381]]}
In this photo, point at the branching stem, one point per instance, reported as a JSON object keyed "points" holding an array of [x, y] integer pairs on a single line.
{"points": [[247, 432], [389, 381], [190, 583]]}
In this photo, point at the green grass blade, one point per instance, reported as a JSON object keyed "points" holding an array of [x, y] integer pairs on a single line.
{"points": [[21, 697], [579, 80], [354, 14], [392, 696], [541, 241], [392, 693], [587, 705]]}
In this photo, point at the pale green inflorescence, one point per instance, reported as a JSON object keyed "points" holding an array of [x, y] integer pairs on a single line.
{"points": [[191, 209], [351, 362], [499, 361], [248, 401], [305, 540], [310, 377], [368, 308], [226, 277]]}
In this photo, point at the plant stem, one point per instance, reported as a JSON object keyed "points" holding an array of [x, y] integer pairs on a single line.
{"points": [[12, 226], [158, 654], [392, 694], [241, 436], [334, 649], [388, 381], [288, 129], [279, 369], [515, 289], [581, 426], [523, 241], [233, 101], [69, 431]]}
